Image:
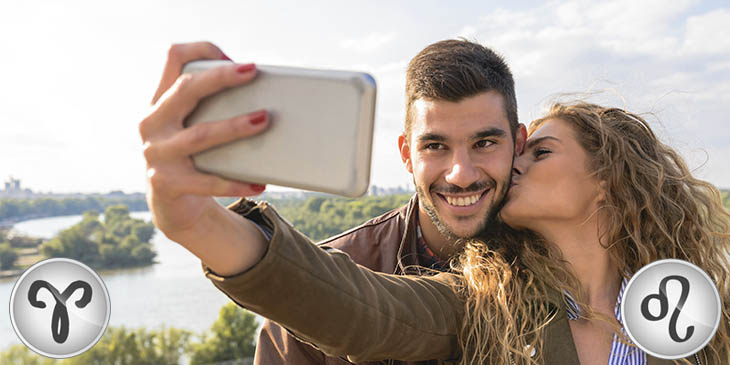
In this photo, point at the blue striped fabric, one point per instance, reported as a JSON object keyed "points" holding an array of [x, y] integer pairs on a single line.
{"points": [[621, 353]]}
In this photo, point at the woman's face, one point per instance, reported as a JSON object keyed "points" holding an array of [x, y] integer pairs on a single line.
{"points": [[551, 182]]}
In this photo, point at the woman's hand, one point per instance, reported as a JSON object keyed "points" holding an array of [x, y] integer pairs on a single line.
{"points": [[179, 196]]}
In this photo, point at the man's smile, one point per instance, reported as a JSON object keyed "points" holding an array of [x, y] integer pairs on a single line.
{"points": [[463, 203]]}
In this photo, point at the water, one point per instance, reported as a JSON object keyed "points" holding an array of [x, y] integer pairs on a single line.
{"points": [[171, 293]]}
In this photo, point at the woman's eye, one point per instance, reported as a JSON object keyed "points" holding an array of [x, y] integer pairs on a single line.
{"points": [[484, 143], [541, 151]]}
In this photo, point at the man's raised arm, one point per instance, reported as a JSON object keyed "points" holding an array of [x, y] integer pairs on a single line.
{"points": [[180, 197]]}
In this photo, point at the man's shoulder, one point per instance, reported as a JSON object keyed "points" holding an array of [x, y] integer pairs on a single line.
{"points": [[373, 241]]}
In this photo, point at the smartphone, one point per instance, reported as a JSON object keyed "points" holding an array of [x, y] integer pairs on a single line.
{"points": [[320, 133]]}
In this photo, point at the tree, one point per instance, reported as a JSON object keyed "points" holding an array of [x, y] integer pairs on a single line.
{"points": [[139, 346], [21, 355], [8, 256], [232, 336]]}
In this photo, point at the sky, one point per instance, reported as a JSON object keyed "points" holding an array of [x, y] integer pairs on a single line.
{"points": [[77, 76]]}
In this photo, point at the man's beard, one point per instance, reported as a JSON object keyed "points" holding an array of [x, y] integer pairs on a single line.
{"points": [[489, 217]]}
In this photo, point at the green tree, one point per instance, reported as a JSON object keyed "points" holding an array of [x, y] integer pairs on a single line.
{"points": [[121, 346], [8, 256], [21, 355], [72, 243], [232, 336]]}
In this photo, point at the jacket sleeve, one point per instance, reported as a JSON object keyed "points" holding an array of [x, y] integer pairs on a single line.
{"points": [[345, 309], [275, 346]]}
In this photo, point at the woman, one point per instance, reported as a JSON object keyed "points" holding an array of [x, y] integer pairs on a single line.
{"points": [[596, 196]]}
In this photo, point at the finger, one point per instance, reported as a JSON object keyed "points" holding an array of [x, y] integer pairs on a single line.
{"points": [[198, 183], [180, 54], [189, 89], [211, 185], [203, 136]]}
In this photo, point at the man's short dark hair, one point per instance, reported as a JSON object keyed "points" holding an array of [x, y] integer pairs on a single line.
{"points": [[455, 69]]}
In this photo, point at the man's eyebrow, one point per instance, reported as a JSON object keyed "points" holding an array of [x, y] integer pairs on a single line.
{"points": [[491, 132], [431, 137], [535, 141]]}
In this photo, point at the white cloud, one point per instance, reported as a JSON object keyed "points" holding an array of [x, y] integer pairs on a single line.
{"points": [[369, 43], [707, 33], [649, 55]]}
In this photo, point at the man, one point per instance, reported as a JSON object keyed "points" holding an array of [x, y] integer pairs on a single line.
{"points": [[461, 134], [454, 121]]}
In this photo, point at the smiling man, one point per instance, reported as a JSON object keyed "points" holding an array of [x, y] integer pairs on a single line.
{"points": [[461, 134]]}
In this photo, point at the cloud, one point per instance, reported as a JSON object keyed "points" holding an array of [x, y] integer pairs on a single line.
{"points": [[707, 33], [369, 43], [651, 56]]}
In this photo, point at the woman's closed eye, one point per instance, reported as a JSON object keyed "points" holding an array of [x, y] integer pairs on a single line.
{"points": [[540, 152]]}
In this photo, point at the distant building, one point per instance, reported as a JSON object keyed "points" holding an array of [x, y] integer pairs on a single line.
{"points": [[12, 185], [13, 189], [375, 190]]}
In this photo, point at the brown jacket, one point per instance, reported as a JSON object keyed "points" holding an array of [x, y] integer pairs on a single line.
{"points": [[349, 310], [377, 244]]}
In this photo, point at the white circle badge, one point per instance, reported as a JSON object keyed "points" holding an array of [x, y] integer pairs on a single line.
{"points": [[671, 309], [59, 308]]}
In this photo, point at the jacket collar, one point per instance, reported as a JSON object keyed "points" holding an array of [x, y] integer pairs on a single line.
{"points": [[407, 245]]}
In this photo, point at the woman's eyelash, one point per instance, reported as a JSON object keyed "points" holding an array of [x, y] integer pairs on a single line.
{"points": [[541, 151]]}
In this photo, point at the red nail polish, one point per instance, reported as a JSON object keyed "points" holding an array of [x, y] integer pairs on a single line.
{"points": [[257, 117], [258, 187], [224, 57], [246, 68]]}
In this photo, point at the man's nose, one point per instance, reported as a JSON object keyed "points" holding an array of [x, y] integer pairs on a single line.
{"points": [[463, 173]]}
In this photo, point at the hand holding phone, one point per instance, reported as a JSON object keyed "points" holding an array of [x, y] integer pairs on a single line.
{"points": [[320, 133]]}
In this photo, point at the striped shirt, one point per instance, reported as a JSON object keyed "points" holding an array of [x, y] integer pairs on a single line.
{"points": [[621, 353]]}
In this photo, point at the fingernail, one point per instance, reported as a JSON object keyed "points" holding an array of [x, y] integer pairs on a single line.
{"points": [[246, 68], [224, 57], [258, 187], [257, 117]]}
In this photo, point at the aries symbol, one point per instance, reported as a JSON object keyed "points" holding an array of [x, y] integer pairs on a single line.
{"points": [[59, 320]]}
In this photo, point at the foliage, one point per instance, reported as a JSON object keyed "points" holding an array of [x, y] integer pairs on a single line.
{"points": [[118, 241], [21, 355], [49, 207], [8, 256], [139, 346], [232, 336], [118, 346], [319, 217]]}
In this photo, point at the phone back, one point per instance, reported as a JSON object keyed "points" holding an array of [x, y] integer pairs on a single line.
{"points": [[319, 138]]}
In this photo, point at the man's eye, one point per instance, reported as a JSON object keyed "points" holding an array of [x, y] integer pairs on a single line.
{"points": [[484, 143], [433, 146]]}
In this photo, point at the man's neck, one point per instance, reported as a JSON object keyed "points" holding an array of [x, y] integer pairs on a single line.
{"points": [[441, 246]]}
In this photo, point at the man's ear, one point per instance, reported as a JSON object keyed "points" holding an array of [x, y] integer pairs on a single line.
{"points": [[520, 139], [405, 152]]}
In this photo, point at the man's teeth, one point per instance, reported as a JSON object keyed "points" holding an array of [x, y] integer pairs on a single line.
{"points": [[462, 201]]}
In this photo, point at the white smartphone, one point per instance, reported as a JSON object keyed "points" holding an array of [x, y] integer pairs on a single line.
{"points": [[320, 133]]}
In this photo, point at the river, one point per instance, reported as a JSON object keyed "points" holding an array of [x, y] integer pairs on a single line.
{"points": [[171, 293]]}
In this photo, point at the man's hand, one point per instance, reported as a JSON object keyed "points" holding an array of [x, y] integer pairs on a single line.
{"points": [[179, 196]]}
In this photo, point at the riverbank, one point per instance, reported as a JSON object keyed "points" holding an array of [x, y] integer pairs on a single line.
{"points": [[116, 244]]}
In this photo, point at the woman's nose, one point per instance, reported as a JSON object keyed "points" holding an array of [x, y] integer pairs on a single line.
{"points": [[520, 165]]}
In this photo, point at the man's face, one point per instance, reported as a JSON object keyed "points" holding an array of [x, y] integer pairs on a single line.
{"points": [[460, 155]]}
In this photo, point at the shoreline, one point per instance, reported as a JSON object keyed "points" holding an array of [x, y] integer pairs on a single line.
{"points": [[8, 224]]}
